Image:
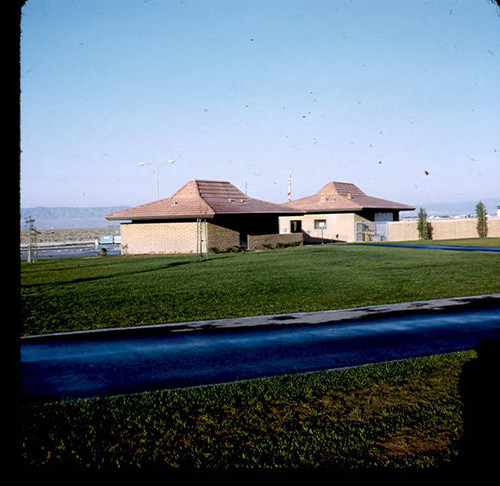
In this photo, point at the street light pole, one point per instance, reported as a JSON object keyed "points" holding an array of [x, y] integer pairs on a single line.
{"points": [[157, 176]]}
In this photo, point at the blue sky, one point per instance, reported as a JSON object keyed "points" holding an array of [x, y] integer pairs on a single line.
{"points": [[398, 97]]}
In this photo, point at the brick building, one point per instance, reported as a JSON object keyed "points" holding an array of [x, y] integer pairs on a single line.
{"points": [[200, 216], [341, 211]]}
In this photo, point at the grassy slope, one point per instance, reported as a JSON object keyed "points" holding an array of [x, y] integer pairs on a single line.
{"points": [[399, 414], [97, 292]]}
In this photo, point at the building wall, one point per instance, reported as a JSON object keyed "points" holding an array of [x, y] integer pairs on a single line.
{"points": [[158, 238], [257, 242], [173, 237], [339, 226], [222, 238], [181, 237], [442, 229]]}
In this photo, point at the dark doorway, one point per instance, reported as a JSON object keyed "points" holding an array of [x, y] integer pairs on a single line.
{"points": [[296, 226]]}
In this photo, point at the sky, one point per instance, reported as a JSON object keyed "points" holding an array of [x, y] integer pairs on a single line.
{"points": [[397, 97]]}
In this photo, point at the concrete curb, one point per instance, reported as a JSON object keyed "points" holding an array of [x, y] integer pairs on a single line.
{"points": [[454, 304]]}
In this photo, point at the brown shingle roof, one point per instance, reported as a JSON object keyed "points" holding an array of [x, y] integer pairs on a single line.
{"points": [[202, 199], [343, 196]]}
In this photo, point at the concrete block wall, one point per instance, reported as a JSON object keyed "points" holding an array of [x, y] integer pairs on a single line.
{"points": [[442, 229], [181, 237], [256, 242], [222, 238], [402, 231], [173, 237], [158, 238]]}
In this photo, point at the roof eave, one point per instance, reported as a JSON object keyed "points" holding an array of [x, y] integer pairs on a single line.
{"points": [[273, 213], [159, 217], [353, 209]]}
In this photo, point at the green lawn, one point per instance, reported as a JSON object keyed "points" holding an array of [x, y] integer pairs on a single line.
{"points": [[101, 292], [403, 414]]}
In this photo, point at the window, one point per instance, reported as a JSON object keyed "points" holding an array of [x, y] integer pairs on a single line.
{"points": [[320, 224], [296, 226], [383, 217]]}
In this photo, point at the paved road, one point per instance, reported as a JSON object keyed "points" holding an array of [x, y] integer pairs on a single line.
{"points": [[197, 353], [490, 249], [60, 251]]}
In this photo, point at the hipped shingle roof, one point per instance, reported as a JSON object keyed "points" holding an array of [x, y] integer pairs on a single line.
{"points": [[343, 196], [201, 199]]}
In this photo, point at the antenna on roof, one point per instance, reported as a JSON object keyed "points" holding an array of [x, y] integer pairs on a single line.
{"points": [[289, 185]]}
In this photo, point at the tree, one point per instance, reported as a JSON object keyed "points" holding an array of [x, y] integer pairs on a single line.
{"points": [[424, 227], [482, 220]]}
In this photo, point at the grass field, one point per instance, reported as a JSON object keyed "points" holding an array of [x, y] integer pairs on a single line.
{"points": [[406, 415], [100, 292]]}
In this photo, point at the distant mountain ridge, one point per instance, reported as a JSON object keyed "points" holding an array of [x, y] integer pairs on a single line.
{"points": [[462, 208], [69, 217], [94, 217]]}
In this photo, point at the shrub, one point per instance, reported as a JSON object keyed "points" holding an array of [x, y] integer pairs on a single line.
{"points": [[424, 227], [482, 220], [234, 249]]}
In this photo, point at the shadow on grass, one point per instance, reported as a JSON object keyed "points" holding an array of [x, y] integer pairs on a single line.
{"points": [[115, 275], [133, 272]]}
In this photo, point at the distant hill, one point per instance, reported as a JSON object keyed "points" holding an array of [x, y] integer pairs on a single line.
{"points": [[464, 208], [68, 217]]}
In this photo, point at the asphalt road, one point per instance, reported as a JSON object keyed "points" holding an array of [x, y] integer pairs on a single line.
{"points": [[422, 246], [61, 251], [191, 354]]}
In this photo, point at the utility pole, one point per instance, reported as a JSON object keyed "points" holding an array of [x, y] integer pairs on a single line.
{"points": [[201, 238], [157, 174], [32, 246]]}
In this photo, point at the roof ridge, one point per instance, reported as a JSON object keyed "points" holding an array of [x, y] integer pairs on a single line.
{"points": [[344, 189], [197, 181]]}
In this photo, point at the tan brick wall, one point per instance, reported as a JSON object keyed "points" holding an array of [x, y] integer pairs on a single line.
{"points": [[402, 231], [177, 237], [158, 238], [222, 238], [256, 242], [173, 237], [442, 229]]}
